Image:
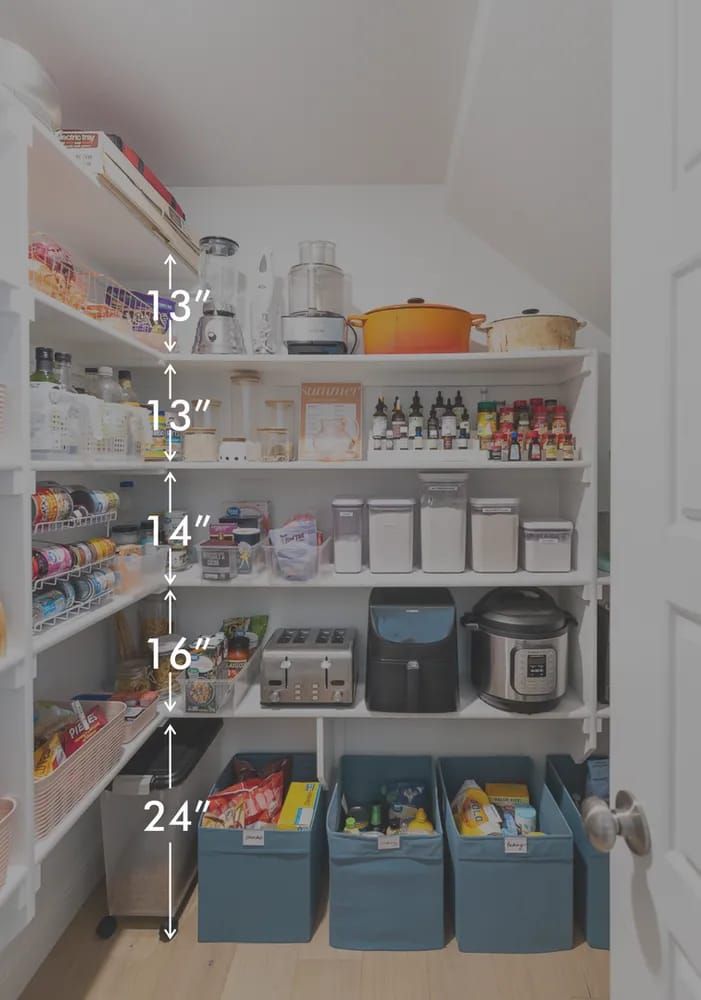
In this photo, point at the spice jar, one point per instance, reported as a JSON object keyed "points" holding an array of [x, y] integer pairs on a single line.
{"points": [[506, 417], [550, 449], [567, 448], [486, 423], [559, 421], [540, 421]]}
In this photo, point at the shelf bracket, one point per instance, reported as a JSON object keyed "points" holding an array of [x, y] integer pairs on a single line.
{"points": [[590, 728]]}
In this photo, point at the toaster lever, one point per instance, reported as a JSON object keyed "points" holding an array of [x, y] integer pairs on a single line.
{"points": [[285, 664], [326, 666]]}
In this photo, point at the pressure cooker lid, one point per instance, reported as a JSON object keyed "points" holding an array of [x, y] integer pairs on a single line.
{"points": [[516, 612]]}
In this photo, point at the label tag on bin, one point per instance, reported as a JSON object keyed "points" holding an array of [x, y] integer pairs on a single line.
{"points": [[515, 845], [388, 842], [253, 838]]}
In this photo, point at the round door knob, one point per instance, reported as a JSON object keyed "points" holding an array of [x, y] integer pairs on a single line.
{"points": [[627, 820]]}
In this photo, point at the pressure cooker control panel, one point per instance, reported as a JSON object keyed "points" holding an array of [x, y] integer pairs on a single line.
{"points": [[534, 671]]}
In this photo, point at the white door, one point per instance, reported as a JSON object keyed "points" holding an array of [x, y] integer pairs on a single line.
{"points": [[656, 493]]}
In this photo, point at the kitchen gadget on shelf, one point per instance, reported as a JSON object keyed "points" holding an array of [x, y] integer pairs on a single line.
{"points": [[520, 649], [315, 323], [412, 656], [218, 329], [309, 666]]}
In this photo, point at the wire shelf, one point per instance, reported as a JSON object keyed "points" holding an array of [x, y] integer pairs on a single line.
{"points": [[44, 527], [69, 574], [79, 608]]}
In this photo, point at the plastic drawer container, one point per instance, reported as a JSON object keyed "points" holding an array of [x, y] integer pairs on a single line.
{"points": [[289, 563], [384, 900], [508, 903], [547, 546], [565, 778], [494, 531], [391, 536], [267, 888]]}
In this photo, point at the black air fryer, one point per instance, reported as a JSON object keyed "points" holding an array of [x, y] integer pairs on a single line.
{"points": [[412, 658]]}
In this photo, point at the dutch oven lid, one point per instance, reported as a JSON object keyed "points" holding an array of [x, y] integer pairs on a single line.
{"points": [[516, 612]]}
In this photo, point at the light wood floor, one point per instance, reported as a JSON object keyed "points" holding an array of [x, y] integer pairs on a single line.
{"points": [[135, 965]]}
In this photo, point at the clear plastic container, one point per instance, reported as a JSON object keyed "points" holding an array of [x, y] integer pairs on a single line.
{"points": [[275, 444], [281, 413], [348, 534], [391, 535], [316, 284], [443, 522], [494, 530], [244, 404], [547, 546], [292, 563]]}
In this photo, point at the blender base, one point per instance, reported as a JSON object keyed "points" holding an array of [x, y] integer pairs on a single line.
{"points": [[316, 347]]}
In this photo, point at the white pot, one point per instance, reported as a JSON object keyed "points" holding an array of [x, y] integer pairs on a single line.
{"points": [[532, 332]]}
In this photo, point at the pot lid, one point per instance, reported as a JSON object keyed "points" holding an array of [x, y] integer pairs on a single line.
{"points": [[520, 611], [347, 502], [535, 314], [418, 303]]}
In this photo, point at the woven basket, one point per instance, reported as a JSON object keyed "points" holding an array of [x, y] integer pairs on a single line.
{"points": [[58, 793], [7, 809]]}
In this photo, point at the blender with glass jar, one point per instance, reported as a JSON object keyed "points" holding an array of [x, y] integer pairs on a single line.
{"points": [[218, 329], [316, 323]]}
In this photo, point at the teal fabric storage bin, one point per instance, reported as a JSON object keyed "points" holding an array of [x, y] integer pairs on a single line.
{"points": [[384, 900], [508, 903], [267, 893], [566, 778]]}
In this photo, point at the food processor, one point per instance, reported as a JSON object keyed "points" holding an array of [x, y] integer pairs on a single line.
{"points": [[218, 329], [316, 323]]}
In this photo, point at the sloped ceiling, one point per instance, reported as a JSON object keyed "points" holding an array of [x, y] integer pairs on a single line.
{"points": [[530, 166], [246, 92]]}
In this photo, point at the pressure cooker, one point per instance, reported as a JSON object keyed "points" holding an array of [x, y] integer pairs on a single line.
{"points": [[520, 640]]}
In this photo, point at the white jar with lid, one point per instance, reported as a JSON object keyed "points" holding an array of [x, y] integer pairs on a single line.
{"points": [[391, 536], [494, 529], [443, 522], [348, 534], [547, 546]]}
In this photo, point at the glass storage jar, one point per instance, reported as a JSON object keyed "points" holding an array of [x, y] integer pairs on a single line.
{"points": [[443, 522]]}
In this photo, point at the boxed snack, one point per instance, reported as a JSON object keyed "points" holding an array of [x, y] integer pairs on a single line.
{"points": [[297, 812], [508, 794]]}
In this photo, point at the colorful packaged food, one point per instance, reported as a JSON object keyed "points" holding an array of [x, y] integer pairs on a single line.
{"points": [[507, 794], [48, 756], [298, 808], [256, 800], [76, 735]]}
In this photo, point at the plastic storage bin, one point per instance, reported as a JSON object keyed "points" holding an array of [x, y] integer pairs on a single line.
{"points": [[494, 530], [348, 534], [391, 534], [547, 546], [384, 900], [290, 564], [565, 779], [443, 522], [136, 863], [268, 891], [518, 903]]}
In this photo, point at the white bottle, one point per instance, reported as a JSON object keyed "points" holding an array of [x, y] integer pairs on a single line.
{"points": [[109, 389]]}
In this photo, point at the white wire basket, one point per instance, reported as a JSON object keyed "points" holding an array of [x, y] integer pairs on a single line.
{"points": [[70, 574], [89, 521], [78, 608]]}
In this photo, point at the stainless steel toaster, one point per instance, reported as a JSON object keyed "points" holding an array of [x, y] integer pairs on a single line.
{"points": [[309, 666]]}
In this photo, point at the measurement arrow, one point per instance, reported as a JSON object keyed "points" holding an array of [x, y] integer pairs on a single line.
{"points": [[170, 344], [169, 453], [170, 479], [169, 577], [171, 702], [170, 371], [170, 733], [170, 263], [170, 597], [169, 930]]}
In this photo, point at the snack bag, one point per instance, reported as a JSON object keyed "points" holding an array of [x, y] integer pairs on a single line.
{"points": [[48, 756], [75, 735]]}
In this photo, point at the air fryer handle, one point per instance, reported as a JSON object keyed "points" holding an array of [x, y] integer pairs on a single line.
{"points": [[413, 668], [470, 622]]}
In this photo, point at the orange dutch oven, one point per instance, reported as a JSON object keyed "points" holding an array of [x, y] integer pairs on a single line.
{"points": [[417, 328]]}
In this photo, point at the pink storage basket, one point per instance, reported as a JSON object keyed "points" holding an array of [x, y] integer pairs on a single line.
{"points": [[7, 809], [58, 793]]}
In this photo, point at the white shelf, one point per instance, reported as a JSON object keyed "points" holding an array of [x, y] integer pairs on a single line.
{"points": [[15, 876], [12, 657], [365, 465], [540, 367], [365, 579], [604, 581], [70, 204], [44, 846], [603, 712], [84, 337], [64, 630], [571, 707]]}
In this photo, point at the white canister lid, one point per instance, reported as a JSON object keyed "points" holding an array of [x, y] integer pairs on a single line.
{"points": [[553, 525], [480, 502], [347, 502], [392, 504]]}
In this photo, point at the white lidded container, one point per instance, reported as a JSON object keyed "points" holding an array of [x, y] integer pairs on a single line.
{"points": [[547, 546], [443, 522], [494, 530], [391, 531], [348, 534]]}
